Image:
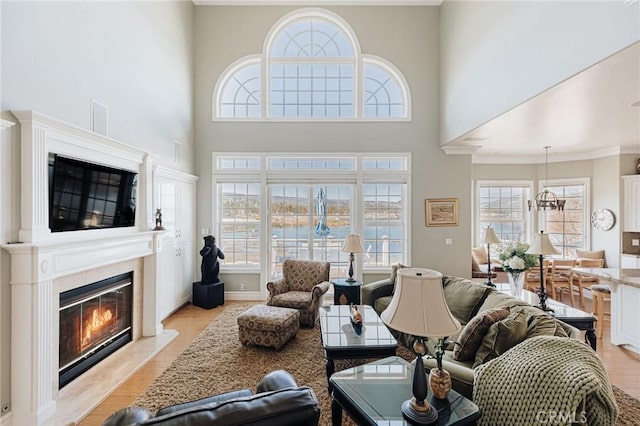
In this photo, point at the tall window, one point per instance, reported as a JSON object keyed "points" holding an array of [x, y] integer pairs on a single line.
{"points": [[312, 202], [312, 66], [568, 229], [503, 206]]}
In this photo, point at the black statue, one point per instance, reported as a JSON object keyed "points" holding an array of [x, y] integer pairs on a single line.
{"points": [[210, 266]]}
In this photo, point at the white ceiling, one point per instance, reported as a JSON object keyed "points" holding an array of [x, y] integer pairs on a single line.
{"points": [[585, 116]]}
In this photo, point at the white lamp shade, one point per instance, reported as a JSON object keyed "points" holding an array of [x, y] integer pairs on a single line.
{"points": [[542, 245], [418, 306], [490, 236], [352, 244]]}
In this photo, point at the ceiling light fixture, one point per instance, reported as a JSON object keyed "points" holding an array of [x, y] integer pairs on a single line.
{"points": [[547, 199]]}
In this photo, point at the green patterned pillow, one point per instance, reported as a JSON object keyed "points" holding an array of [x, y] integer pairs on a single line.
{"points": [[394, 274]]}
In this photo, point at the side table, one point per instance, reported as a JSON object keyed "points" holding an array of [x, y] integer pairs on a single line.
{"points": [[345, 292], [372, 395]]}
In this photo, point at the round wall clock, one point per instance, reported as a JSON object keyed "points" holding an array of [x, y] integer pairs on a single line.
{"points": [[603, 219]]}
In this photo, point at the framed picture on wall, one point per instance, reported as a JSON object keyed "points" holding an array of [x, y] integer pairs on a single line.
{"points": [[441, 211]]}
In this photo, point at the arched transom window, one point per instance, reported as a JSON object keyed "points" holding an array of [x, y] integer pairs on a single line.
{"points": [[313, 70]]}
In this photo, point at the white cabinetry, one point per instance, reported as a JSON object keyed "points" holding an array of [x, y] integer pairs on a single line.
{"points": [[175, 194], [625, 316], [629, 261], [631, 212]]}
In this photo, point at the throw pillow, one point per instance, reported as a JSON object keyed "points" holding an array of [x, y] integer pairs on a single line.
{"points": [[480, 255], [502, 336], [472, 334], [464, 297], [394, 274]]}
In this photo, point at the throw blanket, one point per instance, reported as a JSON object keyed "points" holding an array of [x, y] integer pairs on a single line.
{"points": [[544, 380]]}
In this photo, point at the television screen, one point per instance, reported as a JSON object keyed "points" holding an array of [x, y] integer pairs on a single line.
{"points": [[84, 195]]}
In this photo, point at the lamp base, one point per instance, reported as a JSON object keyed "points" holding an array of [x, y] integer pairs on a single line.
{"points": [[419, 414], [350, 280], [545, 308], [440, 383]]}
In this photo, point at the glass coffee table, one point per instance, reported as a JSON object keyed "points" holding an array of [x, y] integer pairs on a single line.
{"points": [[341, 339], [372, 394]]}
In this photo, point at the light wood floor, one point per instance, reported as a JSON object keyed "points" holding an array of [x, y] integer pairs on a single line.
{"points": [[622, 365]]}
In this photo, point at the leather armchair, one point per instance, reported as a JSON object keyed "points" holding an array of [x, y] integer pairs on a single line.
{"points": [[278, 401], [301, 287]]}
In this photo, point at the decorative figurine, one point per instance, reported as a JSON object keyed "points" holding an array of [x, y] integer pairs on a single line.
{"points": [[159, 226], [210, 266]]}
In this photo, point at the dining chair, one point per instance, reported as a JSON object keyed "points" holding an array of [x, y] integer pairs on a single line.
{"points": [[601, 295], [561, 278], [532, 276], [580, 282]]}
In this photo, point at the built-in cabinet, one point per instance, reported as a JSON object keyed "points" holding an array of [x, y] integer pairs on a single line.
{"points": [[175, 195], [631, 212], [625, 316], [629, 261]]}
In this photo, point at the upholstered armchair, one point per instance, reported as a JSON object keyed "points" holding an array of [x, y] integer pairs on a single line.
{"points": [[301, 287]]}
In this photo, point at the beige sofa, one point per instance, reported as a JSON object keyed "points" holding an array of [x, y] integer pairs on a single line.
{"points": [[468, 300]]}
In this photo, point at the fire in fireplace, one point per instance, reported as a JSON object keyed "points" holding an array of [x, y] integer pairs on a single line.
{"points": [[95, 321]]}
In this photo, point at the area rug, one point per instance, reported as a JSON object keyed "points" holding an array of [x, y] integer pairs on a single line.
{"points": [[216, 362]]}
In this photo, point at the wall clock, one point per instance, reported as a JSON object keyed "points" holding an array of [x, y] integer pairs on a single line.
{"points": [[603, 219]]}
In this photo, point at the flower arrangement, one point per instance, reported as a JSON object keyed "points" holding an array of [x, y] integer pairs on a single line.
{"points": [[515, 260]]}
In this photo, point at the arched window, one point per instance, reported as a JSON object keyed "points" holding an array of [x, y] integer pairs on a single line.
{"points": [[314, 71]]}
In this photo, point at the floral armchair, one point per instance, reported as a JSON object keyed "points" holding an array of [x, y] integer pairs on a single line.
{"points": [[301, 287]]}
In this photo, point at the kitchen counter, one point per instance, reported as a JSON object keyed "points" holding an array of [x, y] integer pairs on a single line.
{"points": [[625, 299], [613, 275]]}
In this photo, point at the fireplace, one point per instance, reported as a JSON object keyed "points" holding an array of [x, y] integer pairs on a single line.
{"points": [[95, 321]]}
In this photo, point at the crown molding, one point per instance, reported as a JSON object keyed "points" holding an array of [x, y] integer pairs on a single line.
{"points": [[460, 150], [317, 2], [5, 124], [557, 158]]}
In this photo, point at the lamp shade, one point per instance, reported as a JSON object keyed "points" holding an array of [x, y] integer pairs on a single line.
{"points": [[418, 306], [490, 236], [542, 245], [352, 244]]}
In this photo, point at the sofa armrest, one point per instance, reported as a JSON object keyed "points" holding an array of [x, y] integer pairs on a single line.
{"points": [[210, 399], [129, 416], [374, 290], [319, 289], [284, 407], [277, 287], [278, 379]]}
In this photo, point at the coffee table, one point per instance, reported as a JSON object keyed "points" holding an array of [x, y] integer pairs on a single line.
{"points": [[565, 313], [342, 340], [372, 394]]}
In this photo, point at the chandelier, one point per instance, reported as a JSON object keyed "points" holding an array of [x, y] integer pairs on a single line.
{"points": [[546, 199]]}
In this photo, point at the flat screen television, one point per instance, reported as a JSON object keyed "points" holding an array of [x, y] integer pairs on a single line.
{"points": [[84, 195]]}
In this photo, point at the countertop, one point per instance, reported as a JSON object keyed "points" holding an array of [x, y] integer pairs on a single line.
{"points": [[615, 275]]}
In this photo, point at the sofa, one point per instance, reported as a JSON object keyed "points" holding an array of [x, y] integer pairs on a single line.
{"points": [[278, 401], [500, 322]]}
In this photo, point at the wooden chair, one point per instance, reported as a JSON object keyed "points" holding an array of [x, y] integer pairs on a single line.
{"points": [[561, 279], [580, 282], [532, 276], [601, 294]]}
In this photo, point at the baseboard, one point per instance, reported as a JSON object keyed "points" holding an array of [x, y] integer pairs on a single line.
{"points": [[244, 295]]}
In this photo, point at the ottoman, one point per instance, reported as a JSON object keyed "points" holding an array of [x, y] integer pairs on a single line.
{"points": [[269, 326]]}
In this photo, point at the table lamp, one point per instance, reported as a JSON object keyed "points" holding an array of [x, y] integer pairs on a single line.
{"points": [[352, 245], [489, 238], [418, 308], [542, 246]]}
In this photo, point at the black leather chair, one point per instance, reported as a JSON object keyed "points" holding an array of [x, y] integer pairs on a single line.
{"points": [[278, 401]]}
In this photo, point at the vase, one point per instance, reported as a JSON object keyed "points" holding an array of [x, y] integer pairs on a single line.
{"points": [[516, 283]]}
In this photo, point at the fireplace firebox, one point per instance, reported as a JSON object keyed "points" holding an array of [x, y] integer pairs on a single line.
{"points": [[95, 321]]}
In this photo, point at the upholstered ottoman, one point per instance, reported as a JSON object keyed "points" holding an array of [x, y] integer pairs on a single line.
{"points": [[269, 326]]}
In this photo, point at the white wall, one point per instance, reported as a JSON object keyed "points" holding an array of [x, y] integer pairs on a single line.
{"points": [[498, 54], [134, 57], [406, 36], [606, 193]]}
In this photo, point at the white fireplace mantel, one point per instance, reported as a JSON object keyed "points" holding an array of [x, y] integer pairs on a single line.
{"points": [[43, 264]]}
